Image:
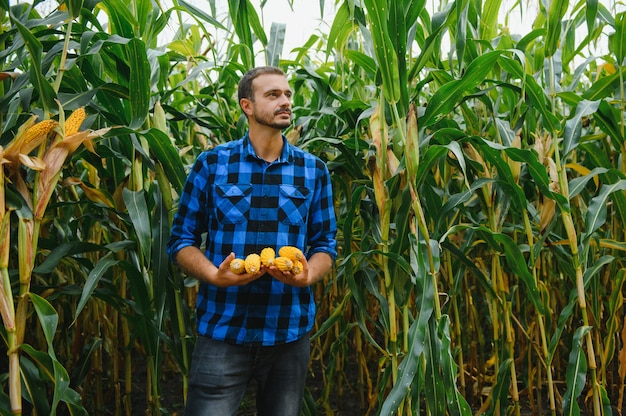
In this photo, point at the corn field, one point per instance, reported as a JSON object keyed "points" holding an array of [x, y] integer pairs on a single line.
{"points": [[480, 189]]}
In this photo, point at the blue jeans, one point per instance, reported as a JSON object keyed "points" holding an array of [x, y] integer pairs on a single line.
{"points": [[220, 374]]}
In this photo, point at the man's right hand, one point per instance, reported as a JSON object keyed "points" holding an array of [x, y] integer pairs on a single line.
{"points": [[195, 264]]}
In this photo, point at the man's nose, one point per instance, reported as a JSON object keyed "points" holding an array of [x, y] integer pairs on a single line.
{"points": [[284, 100]]}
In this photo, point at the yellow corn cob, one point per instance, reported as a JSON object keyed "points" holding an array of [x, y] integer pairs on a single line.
{"points": [[237, 266], [73, 122], [284, 264], [267, 256], [291, 252], [37, 130], [298, 267], [253, 263]]}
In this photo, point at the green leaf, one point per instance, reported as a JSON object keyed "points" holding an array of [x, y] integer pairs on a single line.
{"points": [[576, 373], [166, 153], [596, 214], [47, 94], [74, 7], [139, 82], [275, 46], [140, 217], [199, 13], [617, 43], [573, 126], [94, 277], [384, 49], [457, 405], [450, 94], [48, 319], [556, 11]]}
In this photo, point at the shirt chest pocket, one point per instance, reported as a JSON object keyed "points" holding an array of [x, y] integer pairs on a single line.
{"points": [[293, 205], [232, 202]]}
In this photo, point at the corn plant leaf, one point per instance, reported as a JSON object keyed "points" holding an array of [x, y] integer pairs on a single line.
{"points": [[160, 262], [611, 175], [340, 29], [578, 184], [501, 387], [575, 375], [35, 386], [246, 21], [615, 305], [430, 157], [275, 45], [461, 30], [166, 154], [573, 126], [429, 48], [538, 172], [140, 217], [503, 243], [591, 13], [457, 405], [47, 94], [596, 214], [59, 252], [604, 86], [139, 82], [451, 93], [74, 7], [144, 325], [408, 369], [120, 18], [489, 19], [384, 49], [556, 11], [617, 43], [608, 119], [337, 313], [564, 316], [434, 391], [199, 13], [364, 61], [48, 319], [93, 279]]}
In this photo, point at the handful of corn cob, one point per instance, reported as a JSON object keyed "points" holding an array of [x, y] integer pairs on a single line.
{"points": [[288, 260]]}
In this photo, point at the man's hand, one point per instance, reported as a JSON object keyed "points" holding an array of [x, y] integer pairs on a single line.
{"points": [[313, 270], [225, 277], [195, 264]]}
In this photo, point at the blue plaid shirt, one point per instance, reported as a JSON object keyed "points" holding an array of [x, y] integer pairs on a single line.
{"points": [[244, 204]]}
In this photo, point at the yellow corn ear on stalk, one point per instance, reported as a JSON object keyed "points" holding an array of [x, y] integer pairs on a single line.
{"points": [[237, 266], [32, 137], [283, 264], [73, 122], [253, 263], [291, 252], [267, 256], [298, 267]]}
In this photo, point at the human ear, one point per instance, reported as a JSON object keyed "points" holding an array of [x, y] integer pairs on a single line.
{"points": [[246, 105]]}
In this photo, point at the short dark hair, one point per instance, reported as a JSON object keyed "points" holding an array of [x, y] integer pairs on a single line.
{"points": [[245, 89]]}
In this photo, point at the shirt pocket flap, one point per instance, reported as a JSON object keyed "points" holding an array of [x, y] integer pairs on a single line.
{"points": [[233, 191], [294, 191]]}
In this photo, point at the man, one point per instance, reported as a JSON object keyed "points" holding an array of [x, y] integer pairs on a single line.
{"points": [[256, 192]]}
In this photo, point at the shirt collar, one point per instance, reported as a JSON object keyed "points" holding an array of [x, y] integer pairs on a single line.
{"points": [[248, 151]]}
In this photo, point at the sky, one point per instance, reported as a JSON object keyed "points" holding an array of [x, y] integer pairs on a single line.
{"points": [[305, 18]]}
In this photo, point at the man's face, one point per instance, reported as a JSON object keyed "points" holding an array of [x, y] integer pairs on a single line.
{"points": [[272, 101]]}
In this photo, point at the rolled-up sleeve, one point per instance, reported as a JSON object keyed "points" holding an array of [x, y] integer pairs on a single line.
{"points": [[190, 220], [322, 225]]}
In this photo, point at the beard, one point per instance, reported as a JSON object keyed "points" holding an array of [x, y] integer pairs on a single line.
{"points": [[270, 119]]}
